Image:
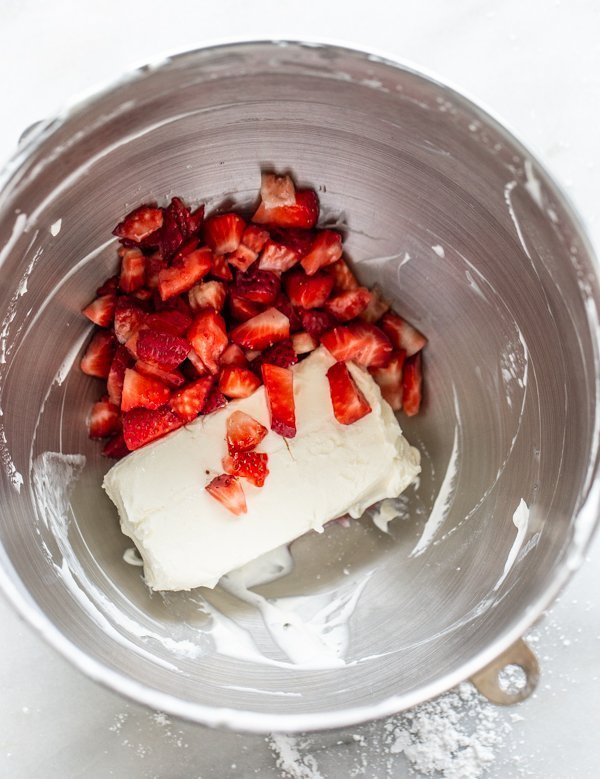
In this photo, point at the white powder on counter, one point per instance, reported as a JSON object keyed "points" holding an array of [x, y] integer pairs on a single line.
{"points": [[289, 757]]}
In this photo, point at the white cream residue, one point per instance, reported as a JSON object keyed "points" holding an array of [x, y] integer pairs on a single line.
{"points": [[388, 510], [507, 197], [439, 250], [132, 557], [533, 184], [15, 477], [521, 522], [55, 227]]}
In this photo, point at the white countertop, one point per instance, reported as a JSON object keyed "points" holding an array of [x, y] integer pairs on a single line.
{"points": [[537, 66]]}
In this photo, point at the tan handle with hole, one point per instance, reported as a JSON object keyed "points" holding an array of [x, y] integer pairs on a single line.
{"points": [[488, 683]]}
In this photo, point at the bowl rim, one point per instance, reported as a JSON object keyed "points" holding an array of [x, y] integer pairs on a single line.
{"points": [[240, 720]]}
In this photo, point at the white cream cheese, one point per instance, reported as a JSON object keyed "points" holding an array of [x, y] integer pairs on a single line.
{"points": [[187, 539]]}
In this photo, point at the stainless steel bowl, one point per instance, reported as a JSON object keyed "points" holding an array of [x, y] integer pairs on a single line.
{"points": [[469, 237]]}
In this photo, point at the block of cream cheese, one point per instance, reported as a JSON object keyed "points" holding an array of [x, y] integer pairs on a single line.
{"points": [[188, 539]]}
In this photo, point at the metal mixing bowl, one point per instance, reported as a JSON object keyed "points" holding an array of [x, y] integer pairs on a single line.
{"points": [[470, 239]]}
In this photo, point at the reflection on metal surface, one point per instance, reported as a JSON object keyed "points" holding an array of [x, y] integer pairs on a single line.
{"points": [[488, 680]]}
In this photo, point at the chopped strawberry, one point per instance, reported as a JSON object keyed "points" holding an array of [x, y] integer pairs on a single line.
{"points": [[412, 381], [162, 349], [143, 391], [190, 401], [116, 375], [223, 233], [308, 291], [277, 190], [177, 227], [402, 334], [296, 239], [140, 223], [102, 310], [262, 330], [281, 354], [196, 219], [359, 341], [326, 249], [249, 465], [389, 379], [154, 265], [242, 258], [220, 269], [131, 344], [277, 257], [349, 403], [238, 382], [208, 336], [303, 342], [283, 304], [228, 491], [169, 320], [234, 355], [208, 294], [133, 269], [215, 401], [377, 307], [348, 305], [109, 287], [343, 276], [142, 425], [317, 322], [115, 447], [258, 286], [99, 354], [142, 294], [243, 432], [253, 240], [303, 213], [198, 368], [279, 389], [182, 276], [129, 317], [170, 378], [105, 420], [241, 309]]}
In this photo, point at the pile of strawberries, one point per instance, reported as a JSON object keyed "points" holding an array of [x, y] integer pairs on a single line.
{"points": [[207, 309]]}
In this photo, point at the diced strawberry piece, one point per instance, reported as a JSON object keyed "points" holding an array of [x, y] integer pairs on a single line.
{"points": [[277, 190], [228, 491], [348, 305], [190, 401], [349, 403], [412, 385], [220, 268], [303, 342], [196, 220], [317, 322], [249, 465], [170, 378], [303, 213], [198, 368], [366, 344], [281, 354], [277, 257], [244, 433], [242, 258], [279, 389], [389, 379], [129, 317], [296, 239], [224, 232], [169, 320], [258, 286], [178, 303], [254, 238], [208, 336], [154, 265], [208, 294], [142, 294], [343, 276], [115, 447], [241, 309], [182, 276], [326, 249], [162, 349], [402, 334], [142, 425], [140, 223], [177, 227], [116, 375], [143, 391], [99, 354], [102, 310], [238, 382], [105, 420], [308, 291], [262, 330], [215, 401], [377, 307], [131, 345], [234, 355], [133, 269], [109, 287]]}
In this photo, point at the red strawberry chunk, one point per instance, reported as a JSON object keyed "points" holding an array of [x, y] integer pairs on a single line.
{"points": [[105, 419], [296, 239], [129, 317], [190, 401], [262, 330], [249, 465], [389, 379], [254, 238], [177, 227], [308, 291], [116, 375], [102, 310], [99, 355], [140, 223], [241, 309], [133, 270], [277, 257], [228, 491], [115, 447], [366, 344], [412, 385], [348, 305], [169, 320], [242, 258], [182, 276], [109, 287], [349, 403], [224, 232], [131, 345], [402, 334], [258, 286], [234, 355], [198, 368], [277, 190], [377, 307], [283, 304], [343, 276], [221, 270], [317, 322], [162, 349], [303, 213], [196, 220], [142, 425], [326, 249], [154, 265], [170, 378], [303, 342], [215, 401], [238, 382], [142, 294], [243, 432], [208, 294], [281, 354], [143, 391], [279, 389], [208, 336]]}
